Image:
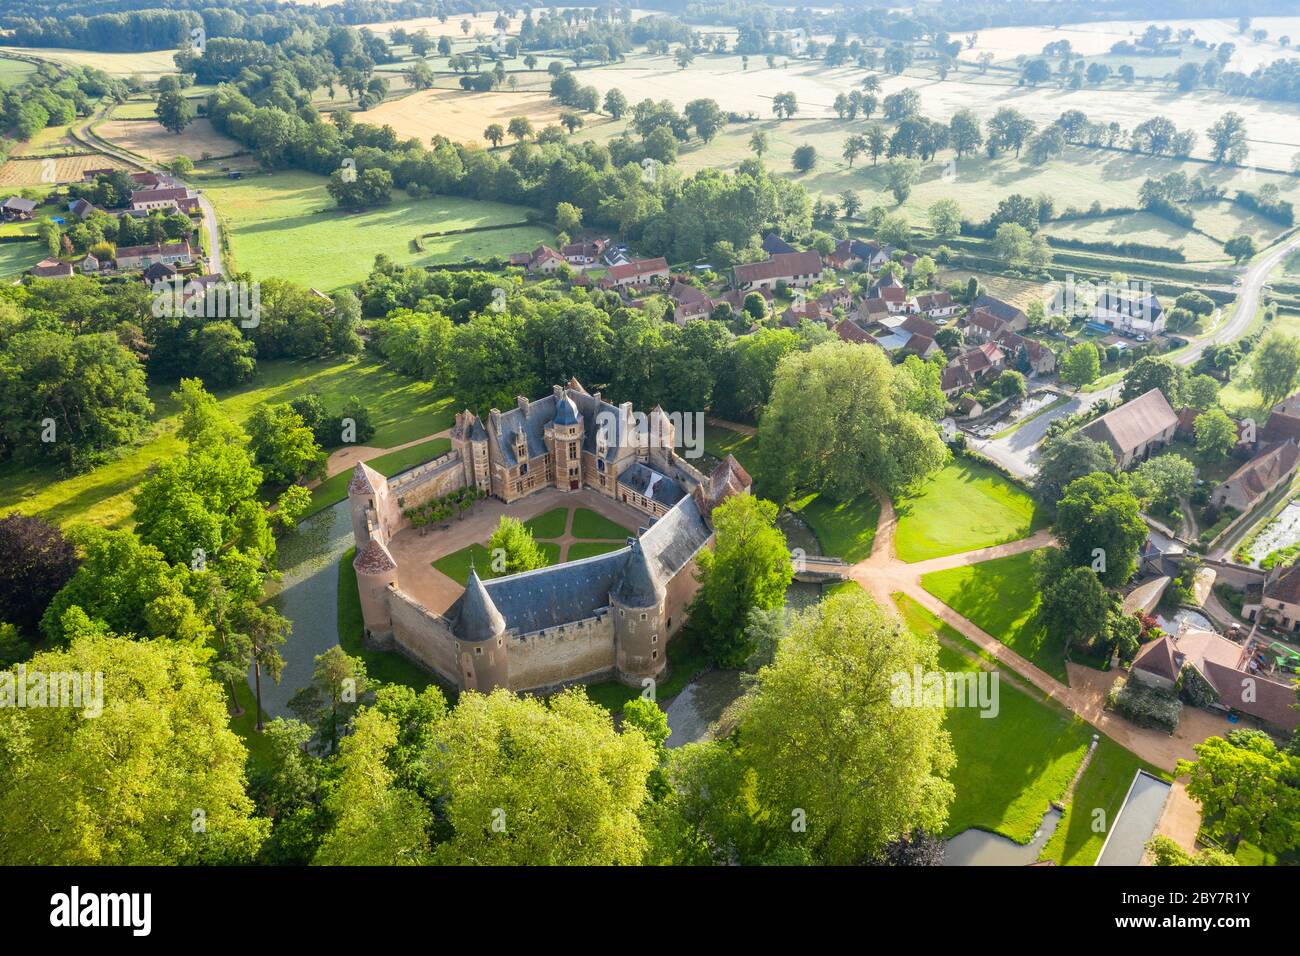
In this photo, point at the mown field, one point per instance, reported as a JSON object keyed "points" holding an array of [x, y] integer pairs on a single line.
{"points": [[285, 224], [147, 138], [402, 410], [149, 65], [461, 116], [20, 173], [1143, 227], [18, 257], [13, 72]]}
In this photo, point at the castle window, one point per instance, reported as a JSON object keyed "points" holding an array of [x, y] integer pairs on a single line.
{"points": [[600, 465], [573, 448], [654, 655], [643, 615], [654, 638], [670, 624], [498, 642], [478, 651]]}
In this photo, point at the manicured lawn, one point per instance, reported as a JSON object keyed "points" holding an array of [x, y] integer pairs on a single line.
{"points": [[1001, 597], [844, 529], [721, 442], [387, 666], [258, 745], [401, 409], [589, 549], [548, 525], [963, 507], [1103, 785], [335, 488], [271, 213], [591, 524], [18, 257], [1009, 767], [456, 564]]}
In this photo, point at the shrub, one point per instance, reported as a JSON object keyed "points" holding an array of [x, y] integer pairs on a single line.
{"points": [[1145, 706]]}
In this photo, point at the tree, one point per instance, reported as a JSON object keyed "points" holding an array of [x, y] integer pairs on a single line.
{"points": [[513, 549], [520, 127], [35, 562], [877, 771], [1164, 480], [1153, 372], [1240, 248], [945, 218], [283, 446], [1074, 607], [684, 57], [851, 203], [327, 704], [854, 147], [174, 112], [540, 782], [615, 103], [375, 821], [1008, 129], [706, 116], [1275, 366], [1036, 71], [1099, 520], [1228, 141], [965, 132], [568, 217], [1216, 434], [804, 158], [494, 134], [155, 778], [758, 143], [1248, 790], [785, 105], [842, 419], [1082, 365], [1067, 457], [748, 568], [1166, 852], [900, 175]]}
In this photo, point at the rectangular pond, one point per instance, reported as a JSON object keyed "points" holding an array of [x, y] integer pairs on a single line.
{"points": [[1136, 822]]}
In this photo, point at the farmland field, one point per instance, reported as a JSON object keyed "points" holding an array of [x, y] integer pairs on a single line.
{"points": [[149, 139], [149, 65], [1272, 125], [17, 257], [13, 72], [286, 225], [458, 115], [65, 169], [1140, 227], [402, 410]]}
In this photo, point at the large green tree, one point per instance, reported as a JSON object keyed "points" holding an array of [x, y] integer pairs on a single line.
{"points": [[1275, 366], [1248, 788], [1099, 520], [1067, 457], [748, 568]]}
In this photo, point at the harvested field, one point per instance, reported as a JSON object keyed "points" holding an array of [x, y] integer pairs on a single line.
{"points": [[40, 172], [148, 65], [147, 138], [461, 116]]}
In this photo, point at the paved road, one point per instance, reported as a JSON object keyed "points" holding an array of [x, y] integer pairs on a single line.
{"points": [[1017, 451], [213, 236]]}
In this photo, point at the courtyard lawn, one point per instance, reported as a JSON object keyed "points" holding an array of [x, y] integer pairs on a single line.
{"points": [[548, 525], [456, 565], [401, 409], [843, 529], [285, 224], [721, 442], [1001, 597], [1009, 767], [1103, 786], [387, 666], [335, 488], [964, 507], [589, 549], [591, 524]]}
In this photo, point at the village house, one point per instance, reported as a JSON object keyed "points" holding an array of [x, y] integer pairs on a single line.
{"points": [[133, 258], [165, 198], [81, 208], [634, 273], [796, 269], [774, 245], [851, 252], [1136, 428], [977, 363], [1128, 313], [934, 305], [983, 326], [545, 261], [1283, 421], [17, 209], [1241, 678], [1278, 601], [1016, 320], [891, 292], [968, 406], [584, 253], [1257, 478], [872, 309], [1026, 354], [849, 331], [954, 377], [89, 265], [52, 269]]}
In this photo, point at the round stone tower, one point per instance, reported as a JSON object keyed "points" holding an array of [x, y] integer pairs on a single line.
{"points": [[480, 639], [376, 571], [567, 432], [637, 603]]}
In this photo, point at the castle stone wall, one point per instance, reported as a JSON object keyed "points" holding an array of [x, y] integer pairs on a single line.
{"points": [[579, 651], [423, 636], [443, 477]]}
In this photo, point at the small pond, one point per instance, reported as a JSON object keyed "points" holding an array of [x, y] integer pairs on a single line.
{"points": [[981, 848], [1029, 405], [1196, 621], [701, 702]]}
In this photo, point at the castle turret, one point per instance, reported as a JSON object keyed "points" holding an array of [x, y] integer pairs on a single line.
{"points": [[566, 430], [480, 639], [637, 602], [372, 509], [376, 571]]}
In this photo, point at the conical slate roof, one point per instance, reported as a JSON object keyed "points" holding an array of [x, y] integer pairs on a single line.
{"points": [[638, 586], [566, 413], [479, 619]]}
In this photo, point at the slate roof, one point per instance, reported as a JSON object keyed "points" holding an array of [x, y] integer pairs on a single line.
{"points": [[477, 617], [644, 480], [637, 586], [997, 308], [566, 413], [1133, 423], [774, 244], [18, 204], [364, 479], [531, 423]]}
